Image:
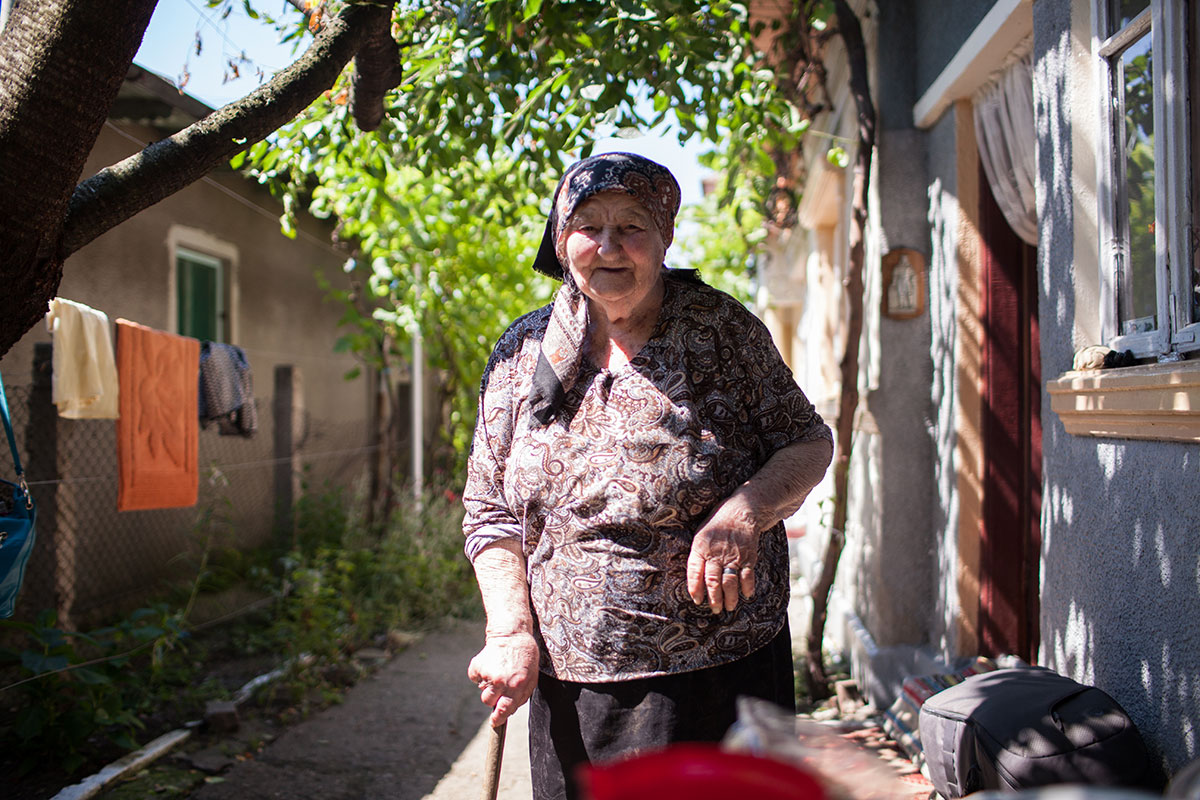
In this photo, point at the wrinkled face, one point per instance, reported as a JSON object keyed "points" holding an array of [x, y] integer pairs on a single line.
{"points": [[614, 250]]}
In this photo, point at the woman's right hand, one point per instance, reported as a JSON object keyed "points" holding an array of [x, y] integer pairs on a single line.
{"points": [[506, 672]]}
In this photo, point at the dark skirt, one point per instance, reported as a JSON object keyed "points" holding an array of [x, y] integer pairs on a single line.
{"points": [[571, 723]]}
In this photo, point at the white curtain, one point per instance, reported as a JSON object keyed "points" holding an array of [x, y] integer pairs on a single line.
{"points": [[1007, 140]]}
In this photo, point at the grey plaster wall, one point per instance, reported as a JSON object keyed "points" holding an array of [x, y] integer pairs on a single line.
{"points": [[941, 204], [900, 540], [1120, 522], [895, 65], [940, 28]]}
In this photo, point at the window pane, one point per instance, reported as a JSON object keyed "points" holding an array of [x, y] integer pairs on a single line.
{"points": [[1136, 283], [198, 287], [1195, 289], [1125, 11]]}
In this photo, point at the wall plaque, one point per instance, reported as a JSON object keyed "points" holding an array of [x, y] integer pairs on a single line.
{"points": [[903, 284]]}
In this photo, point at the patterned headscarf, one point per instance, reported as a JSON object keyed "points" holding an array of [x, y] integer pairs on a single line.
{"points": [[563, 344], [650, 183]]}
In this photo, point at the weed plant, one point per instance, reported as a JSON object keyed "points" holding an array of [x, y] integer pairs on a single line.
{"points": [[338, 586], [343, 589], [76, 686]]}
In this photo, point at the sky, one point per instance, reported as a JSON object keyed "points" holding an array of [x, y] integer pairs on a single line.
{"points": [[169, 49]]}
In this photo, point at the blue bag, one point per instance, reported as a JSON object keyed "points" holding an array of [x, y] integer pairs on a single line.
{"points": [[18, 513]]}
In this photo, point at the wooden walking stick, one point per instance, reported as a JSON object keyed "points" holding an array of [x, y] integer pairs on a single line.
{"points": [[491, 773]]}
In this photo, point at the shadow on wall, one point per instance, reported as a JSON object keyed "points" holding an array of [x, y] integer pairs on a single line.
{"points": [[1121, 531], [1121, 586], [944, 305]]}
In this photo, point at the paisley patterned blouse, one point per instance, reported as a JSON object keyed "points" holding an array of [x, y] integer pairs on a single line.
{"points": [[606, 498]]}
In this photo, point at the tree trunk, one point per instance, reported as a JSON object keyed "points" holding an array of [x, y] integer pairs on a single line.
{"points": [[61, 65], [851, 32]]}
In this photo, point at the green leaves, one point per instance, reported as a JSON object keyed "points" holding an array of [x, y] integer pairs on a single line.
{"points": [[495, 98], [532, 7], [39, 663], [74, 686]]}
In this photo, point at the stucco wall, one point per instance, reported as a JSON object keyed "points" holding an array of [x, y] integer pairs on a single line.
{"points": [[895, 66], [942, 203], [1120, 524], [894, 497], [941, 28]]}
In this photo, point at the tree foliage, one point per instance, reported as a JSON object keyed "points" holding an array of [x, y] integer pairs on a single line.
{"points": [[443, 204]]}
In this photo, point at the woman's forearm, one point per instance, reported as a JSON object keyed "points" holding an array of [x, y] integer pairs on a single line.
{"points": [[500, 572], [506, 669], [779, 488]]}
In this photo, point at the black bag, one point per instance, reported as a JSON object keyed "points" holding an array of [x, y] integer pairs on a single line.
{"points": [[1020, 728]]}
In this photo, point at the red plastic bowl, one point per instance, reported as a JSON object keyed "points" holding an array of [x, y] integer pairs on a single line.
{"points": [[698, 772]]}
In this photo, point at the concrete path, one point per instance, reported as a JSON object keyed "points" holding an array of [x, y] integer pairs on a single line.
{"points": [[465, 778], [413, 730]]}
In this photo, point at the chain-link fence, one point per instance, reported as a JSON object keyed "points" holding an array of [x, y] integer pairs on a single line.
{"points": [[91, 561]]}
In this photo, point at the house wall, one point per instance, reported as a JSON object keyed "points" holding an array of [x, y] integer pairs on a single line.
{"points": [[882, 604], [895, 505], [919, 601], [282, 317], [1120, 591], [940, 32], [896, 65], [1120, 574], [92, 560], [949, 304]]}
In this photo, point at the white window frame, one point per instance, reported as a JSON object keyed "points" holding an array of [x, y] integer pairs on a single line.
{"points": [[1177, 332]]}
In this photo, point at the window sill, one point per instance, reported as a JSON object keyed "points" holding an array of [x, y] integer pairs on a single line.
{"points": [[1158, 401]]}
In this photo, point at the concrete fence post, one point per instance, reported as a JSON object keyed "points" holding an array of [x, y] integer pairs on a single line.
{"points": [[289, 416], [50, 579]]}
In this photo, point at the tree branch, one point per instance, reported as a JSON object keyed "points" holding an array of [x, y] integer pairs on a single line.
{"points": [[376, 70], [850, 30], [118, 192]]}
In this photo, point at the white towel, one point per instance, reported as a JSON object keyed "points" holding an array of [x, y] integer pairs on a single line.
{"points": [[84, 384]]}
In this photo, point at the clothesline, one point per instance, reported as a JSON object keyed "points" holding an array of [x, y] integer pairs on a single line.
{"points": [[160, 387], [242, 465]]}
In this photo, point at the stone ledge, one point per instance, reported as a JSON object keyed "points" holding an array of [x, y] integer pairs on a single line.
{"points": [[1157, 402]]}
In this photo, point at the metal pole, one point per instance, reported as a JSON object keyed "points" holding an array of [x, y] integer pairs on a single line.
{"points": [[418, 398]]}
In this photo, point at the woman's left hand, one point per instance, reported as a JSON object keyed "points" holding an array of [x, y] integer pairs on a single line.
{"points": [[720, 567]]}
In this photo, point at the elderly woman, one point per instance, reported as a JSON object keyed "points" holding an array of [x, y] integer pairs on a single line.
{"points": [[639, 443]]}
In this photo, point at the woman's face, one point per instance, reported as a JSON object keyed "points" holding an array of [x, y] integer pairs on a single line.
{"points": [[614, 251]]}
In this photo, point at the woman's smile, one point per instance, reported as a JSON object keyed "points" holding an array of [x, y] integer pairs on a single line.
{"points": [[615, 253]]}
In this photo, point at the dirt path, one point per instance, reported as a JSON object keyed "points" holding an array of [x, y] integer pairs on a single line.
{"points": [[414, 730]]}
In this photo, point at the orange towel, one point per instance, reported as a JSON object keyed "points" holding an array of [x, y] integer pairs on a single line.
{"points": [[158, 429]]}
